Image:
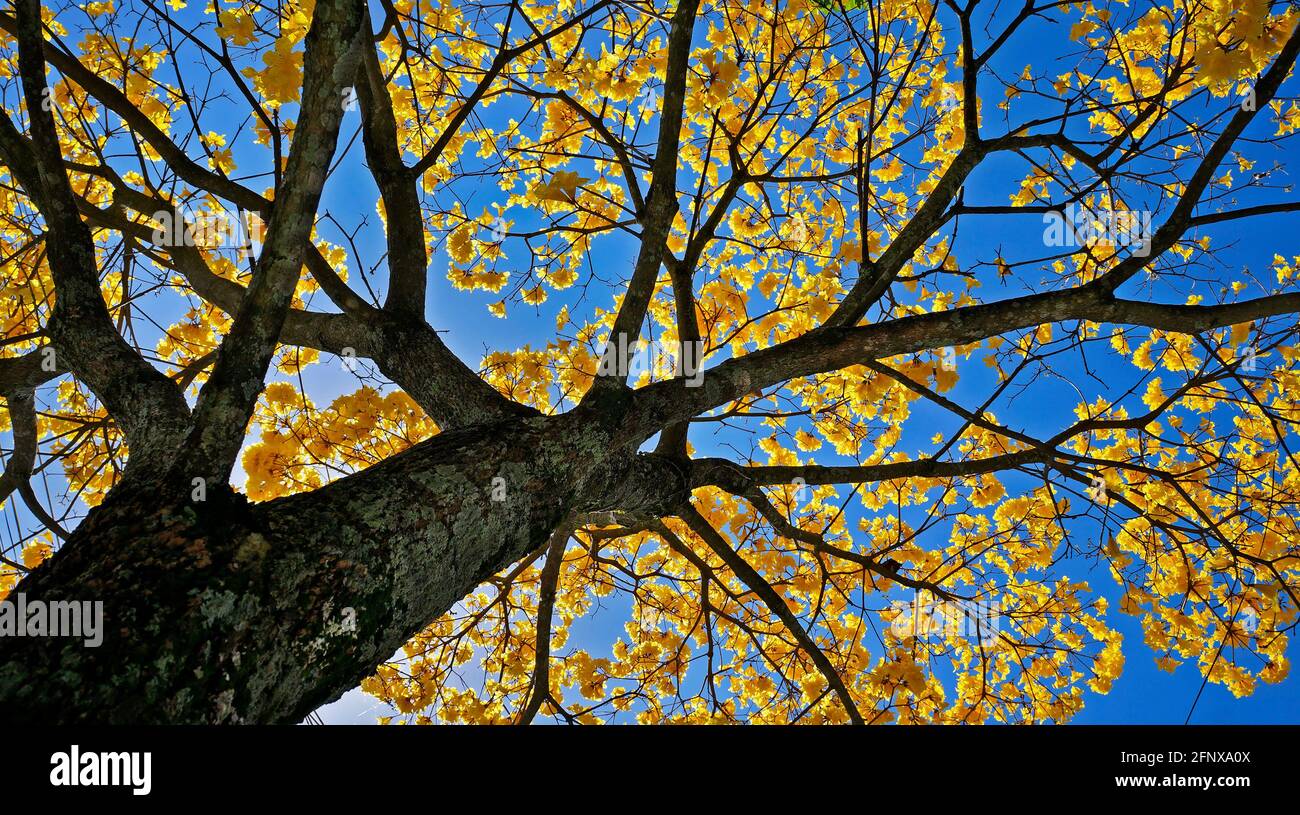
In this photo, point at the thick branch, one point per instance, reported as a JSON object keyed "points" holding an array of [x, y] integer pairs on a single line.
{"points": [[817, 352], [227, 399], [151, 409], [660, 203], [17, 474]]}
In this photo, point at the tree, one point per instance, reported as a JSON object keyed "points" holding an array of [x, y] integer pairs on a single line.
{"points": [[753, 218]]}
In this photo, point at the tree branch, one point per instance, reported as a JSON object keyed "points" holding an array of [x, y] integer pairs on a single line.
{"points": [[227, 399], [660, 205], [774, 602], [817, 352], [151, 409]]}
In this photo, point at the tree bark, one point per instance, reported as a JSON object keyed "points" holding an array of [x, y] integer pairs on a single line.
{"points": [[225, 611]]}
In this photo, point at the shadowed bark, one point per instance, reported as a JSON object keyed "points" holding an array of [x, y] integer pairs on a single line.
{"points": [[222, 611]]}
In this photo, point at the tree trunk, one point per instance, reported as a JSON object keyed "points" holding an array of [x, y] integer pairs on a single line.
{"points": [[224, 611]]}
